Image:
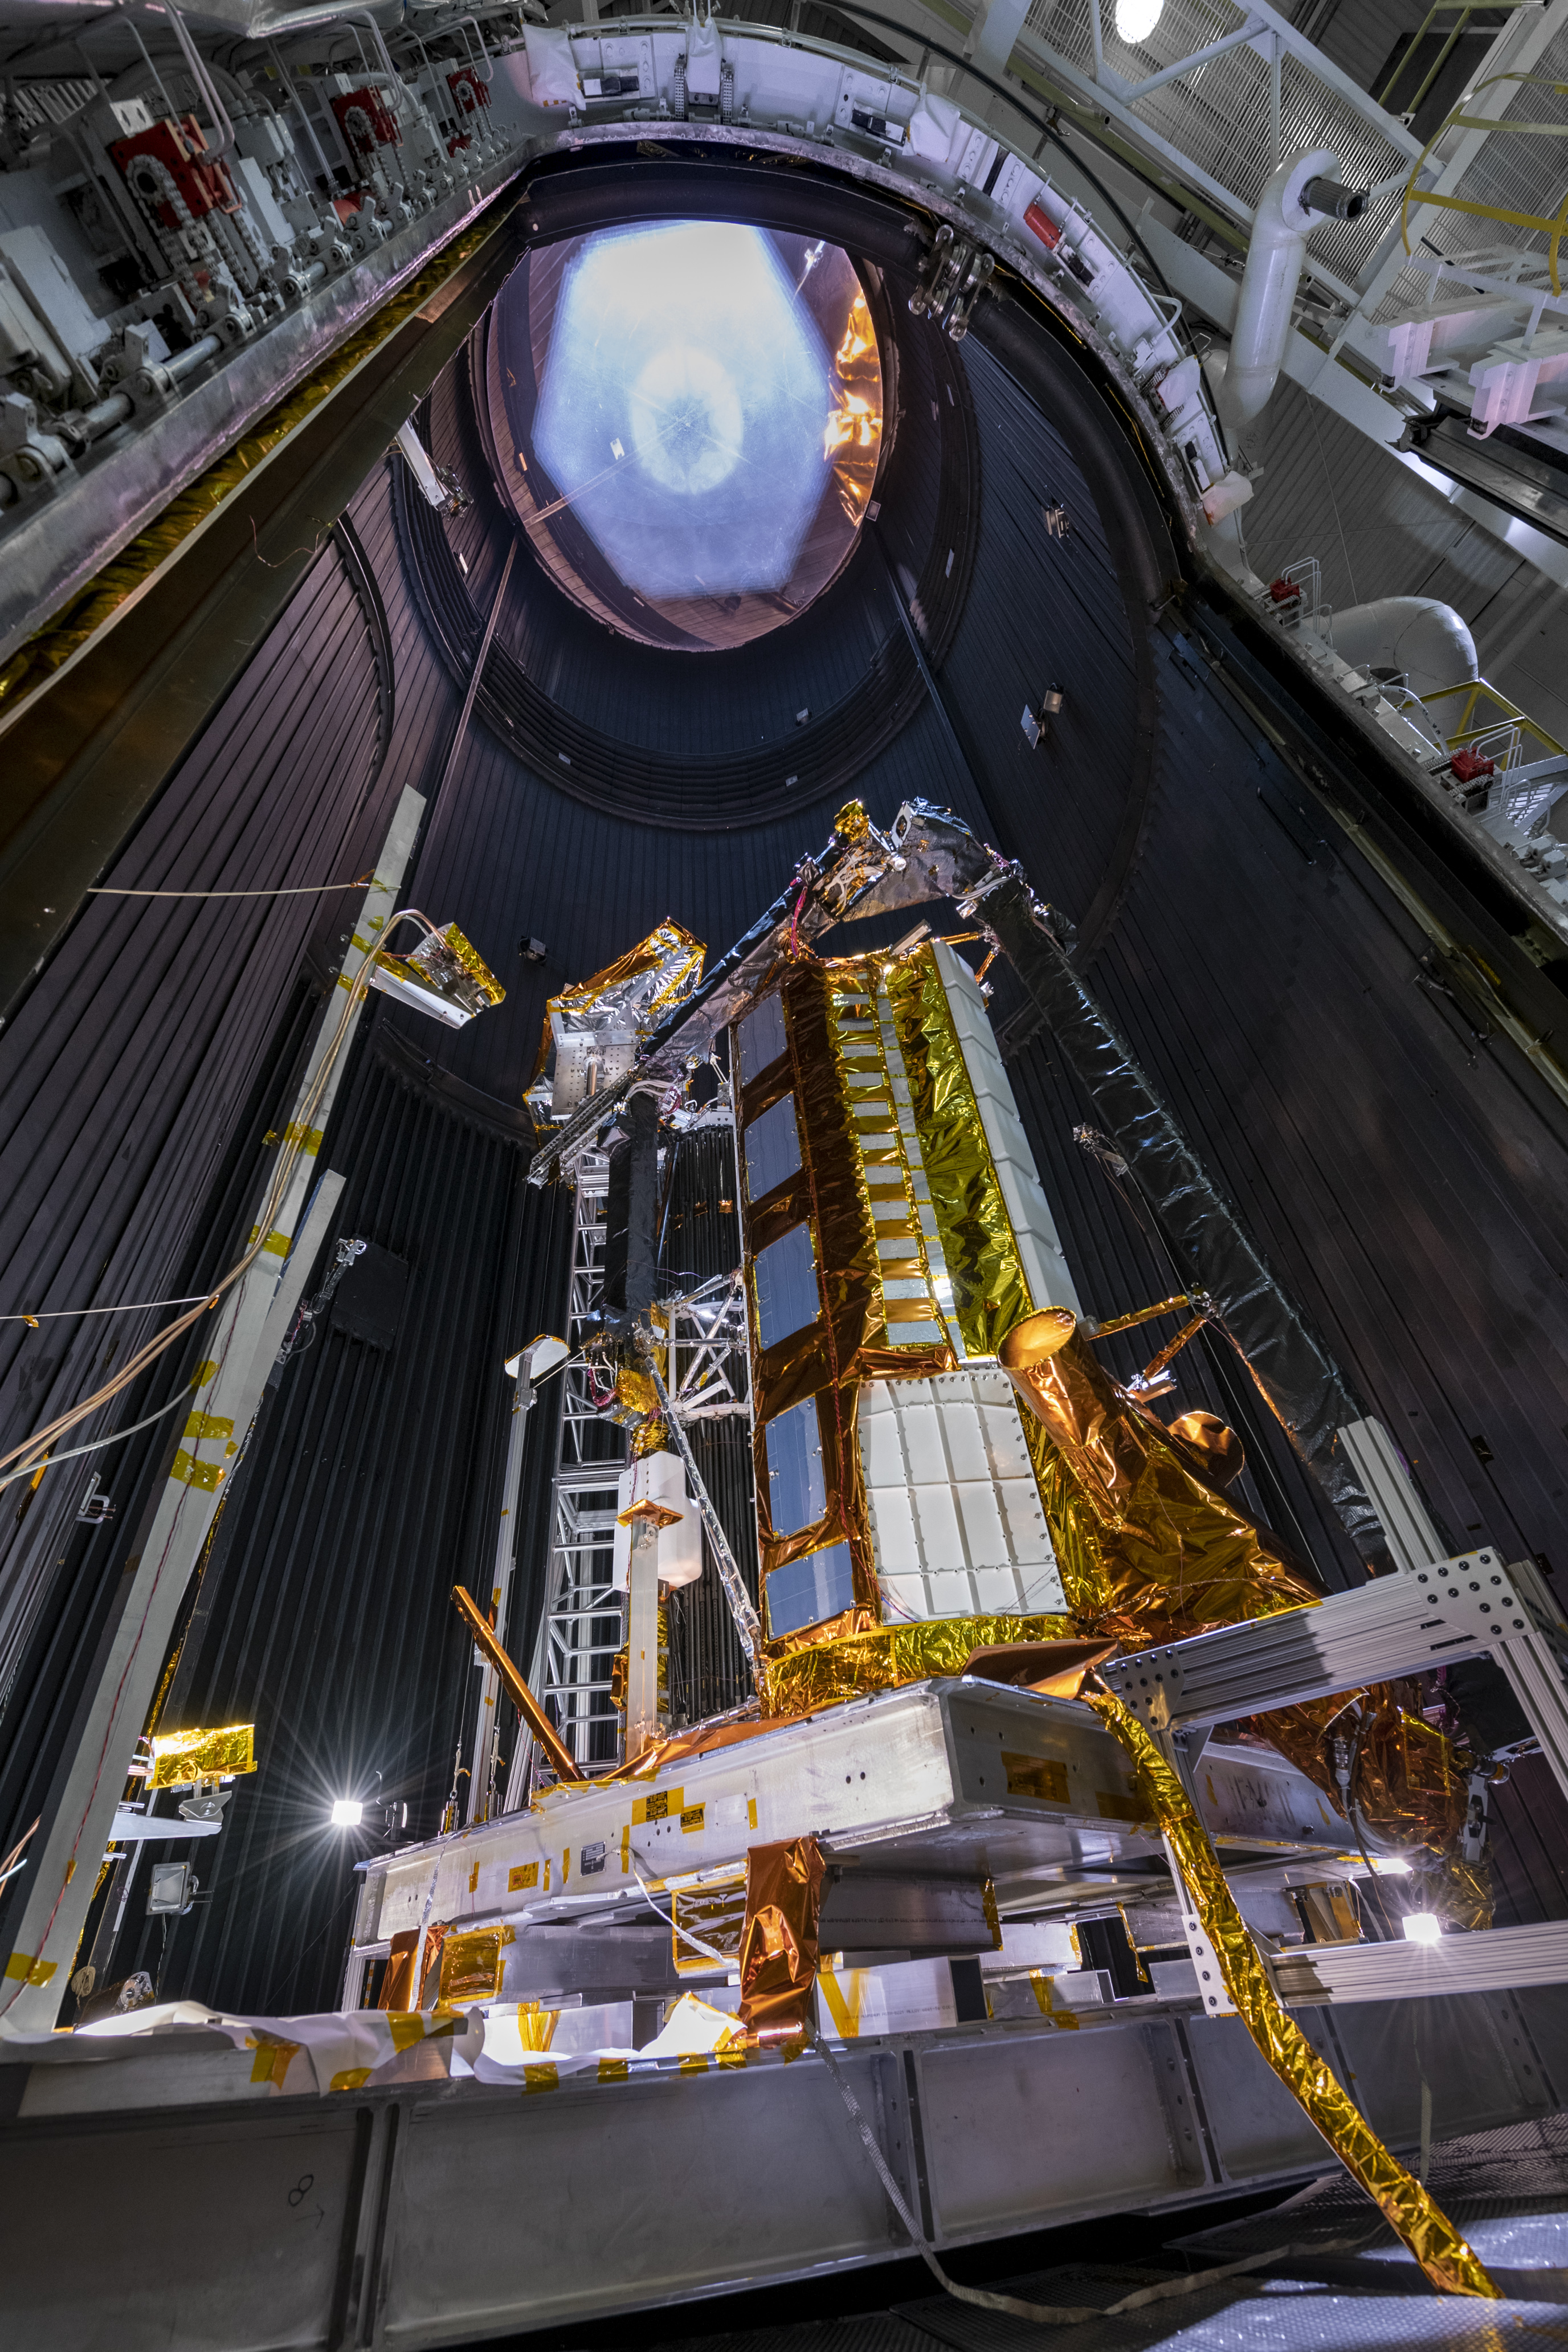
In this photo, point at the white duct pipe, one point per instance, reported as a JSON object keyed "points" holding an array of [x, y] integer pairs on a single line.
{"points": [[1425, 639], [1274, 257]]}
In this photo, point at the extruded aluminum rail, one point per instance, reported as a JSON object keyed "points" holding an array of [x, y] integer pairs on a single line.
{"points": [[1470, 1606]]}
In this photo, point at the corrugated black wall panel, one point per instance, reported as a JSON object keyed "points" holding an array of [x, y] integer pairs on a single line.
{"points": [[128, 1071]]}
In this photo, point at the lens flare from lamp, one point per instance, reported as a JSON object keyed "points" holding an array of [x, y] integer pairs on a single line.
{"points": [[1136, 19], [1421, 1927], [347, 1813]]}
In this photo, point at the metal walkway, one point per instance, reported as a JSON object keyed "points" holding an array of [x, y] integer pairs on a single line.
{"points": [[1507, 2189]]}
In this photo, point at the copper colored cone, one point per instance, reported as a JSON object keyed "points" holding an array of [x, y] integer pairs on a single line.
{"points": [[1036, 1339]]}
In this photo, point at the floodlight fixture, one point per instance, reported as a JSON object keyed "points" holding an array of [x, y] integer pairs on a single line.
{"points": [[347, 1812], [1136, 19], [1422, 1928]]}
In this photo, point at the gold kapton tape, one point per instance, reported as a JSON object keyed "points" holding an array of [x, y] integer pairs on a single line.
{"points": [[1431, 2237]]}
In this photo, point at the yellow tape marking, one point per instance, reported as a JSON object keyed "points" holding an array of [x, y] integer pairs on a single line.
{"points": [[613, 2070], [408, 2026], [659, 1807], [540, 2078], [308, 1138], [751, 1812], [691, 1819], [31, 1971], [846, 2014], [208, 1425], [350, 2079], [191, 1473], [271, 2062], [1042, 1988], [694, 2062], [474, 1879]]}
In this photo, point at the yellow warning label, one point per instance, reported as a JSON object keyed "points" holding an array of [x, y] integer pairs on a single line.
{"points": [[659, 1807], [521, 1874], [691, 1817]]}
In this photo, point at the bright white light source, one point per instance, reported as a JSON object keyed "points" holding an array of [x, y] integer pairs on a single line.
{"points": [[1136, 19], [1421, 1927], [1381, 1869], [683, 345], [346, 1814]]}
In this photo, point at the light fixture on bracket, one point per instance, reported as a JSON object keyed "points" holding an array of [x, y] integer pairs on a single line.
{"points": [[1136, 19], [445, 975], [1036, 723]]}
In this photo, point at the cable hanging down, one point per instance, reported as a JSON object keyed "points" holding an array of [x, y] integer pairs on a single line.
{"points": [[277, 1192]]}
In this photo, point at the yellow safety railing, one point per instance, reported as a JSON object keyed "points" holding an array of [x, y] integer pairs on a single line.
{"points": [[1549, 225], [1461, 9], [1473, 711]]}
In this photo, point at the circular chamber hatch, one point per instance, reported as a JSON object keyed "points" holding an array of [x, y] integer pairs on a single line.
{"points": [[695, 409]]}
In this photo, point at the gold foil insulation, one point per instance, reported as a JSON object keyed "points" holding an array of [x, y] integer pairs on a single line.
{"points": [[852, 439], [1431, 2237], [471, 1964], [180, 1759], [817, 1674], [779, 1953], [990, 1294], [1150, 1549], [643, 983]]}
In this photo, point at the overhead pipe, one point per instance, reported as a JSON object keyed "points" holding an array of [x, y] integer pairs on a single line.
{"points": [[1300, 195], [1417, 637]]}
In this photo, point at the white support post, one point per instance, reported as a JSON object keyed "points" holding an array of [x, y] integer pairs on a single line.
{"points": [[482, 1767], [80, 1812], [642, 1640]]}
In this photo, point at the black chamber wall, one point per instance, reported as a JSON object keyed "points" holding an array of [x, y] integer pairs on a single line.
{"points": [[1406, 1186]]}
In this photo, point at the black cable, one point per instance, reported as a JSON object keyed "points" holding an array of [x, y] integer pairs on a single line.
{"points": [[1000, 90]]}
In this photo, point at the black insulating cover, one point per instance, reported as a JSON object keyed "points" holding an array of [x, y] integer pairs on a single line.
{"points": [[368, 1303], [631, 1211]]}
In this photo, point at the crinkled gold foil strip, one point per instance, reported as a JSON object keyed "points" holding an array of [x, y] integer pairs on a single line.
{"points": [[179, 1756], [884, 1657], [1431, 2237], [989, 1292], [51, 648]]}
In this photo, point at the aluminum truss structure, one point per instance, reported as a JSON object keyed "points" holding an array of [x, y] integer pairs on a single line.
{"points": [[709, 1363], [1471, 1606], [584, 1622]]}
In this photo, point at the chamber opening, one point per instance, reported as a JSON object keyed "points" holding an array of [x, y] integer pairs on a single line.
{"points": [[695, 412]]}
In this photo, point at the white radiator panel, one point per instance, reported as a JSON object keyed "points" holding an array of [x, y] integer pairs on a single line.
{"points": [[956, 1521]]}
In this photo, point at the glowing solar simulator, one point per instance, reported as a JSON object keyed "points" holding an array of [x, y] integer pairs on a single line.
{"points": [[347, 1812], [1421, 1927]]}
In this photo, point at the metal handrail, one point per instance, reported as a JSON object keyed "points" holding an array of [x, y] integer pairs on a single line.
{"points": [[1547, 224], [1499, 713]]}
